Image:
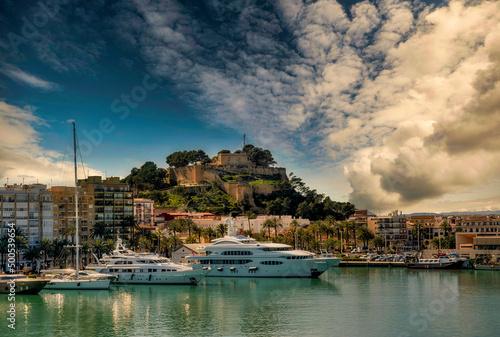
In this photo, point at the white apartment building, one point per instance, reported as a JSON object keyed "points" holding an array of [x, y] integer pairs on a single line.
{"points": [[144, 211], [29, 207]]}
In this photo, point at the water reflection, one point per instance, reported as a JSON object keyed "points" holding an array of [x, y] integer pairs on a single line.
{"points": [[347, 301]]}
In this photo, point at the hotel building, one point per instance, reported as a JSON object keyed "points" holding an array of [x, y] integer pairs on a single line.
{"points": [[29, 207]]}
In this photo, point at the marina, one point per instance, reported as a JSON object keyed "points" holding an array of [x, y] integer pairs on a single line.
{"points": [[342, 302]]}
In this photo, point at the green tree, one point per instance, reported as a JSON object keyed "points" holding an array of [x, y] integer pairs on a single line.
{"points": [[445, 227], [378, 242], [259, 156], [191, 239], [45, 247], [209, 233], [365, 235], [4, 249], [32, 254], [147, 177], [100, 230], [221, 229], [185, 158], [418, 231]]}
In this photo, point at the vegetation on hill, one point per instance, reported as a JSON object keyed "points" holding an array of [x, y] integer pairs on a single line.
{"points": [[148, 177], [258, 155], [186, 158]]}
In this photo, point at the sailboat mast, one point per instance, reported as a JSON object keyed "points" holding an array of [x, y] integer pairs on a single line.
{"points": [[76, 204]]}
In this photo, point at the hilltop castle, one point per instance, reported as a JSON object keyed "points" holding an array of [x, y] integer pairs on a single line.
{"points": [[232, 164]]}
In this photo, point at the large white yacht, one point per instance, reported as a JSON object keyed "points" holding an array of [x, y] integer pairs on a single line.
{"points": [[239, 256], [145, 268]]}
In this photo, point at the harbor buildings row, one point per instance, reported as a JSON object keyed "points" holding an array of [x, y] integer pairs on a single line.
{"points": [[42, 212], [471, 231]]}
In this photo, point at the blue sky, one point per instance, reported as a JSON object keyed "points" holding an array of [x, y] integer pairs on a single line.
{"points": [[389, 104]]}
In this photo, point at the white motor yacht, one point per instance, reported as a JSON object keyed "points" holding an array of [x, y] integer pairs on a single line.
{"points": [[239, 256], [146, 268]]}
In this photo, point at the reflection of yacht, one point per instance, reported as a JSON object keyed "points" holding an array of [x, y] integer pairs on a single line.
{"points": [[19, 284], [239, 256], [140, 268]]}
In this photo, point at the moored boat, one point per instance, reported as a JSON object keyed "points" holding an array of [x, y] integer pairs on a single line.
{"points": [[19, 284], [138, 268], [439, 262], [240, 256]]}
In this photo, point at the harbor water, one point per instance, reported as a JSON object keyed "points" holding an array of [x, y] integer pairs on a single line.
{"points": [[343, 302]]}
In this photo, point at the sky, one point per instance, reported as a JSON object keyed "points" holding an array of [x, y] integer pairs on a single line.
{"points": [[387, 104]]}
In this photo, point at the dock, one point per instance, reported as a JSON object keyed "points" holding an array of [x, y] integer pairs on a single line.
{"points": [[371, 264]]}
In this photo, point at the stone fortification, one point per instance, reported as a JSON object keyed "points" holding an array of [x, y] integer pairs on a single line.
{"points": [[227, 164]]}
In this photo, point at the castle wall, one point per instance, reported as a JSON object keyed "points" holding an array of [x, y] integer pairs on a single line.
{"points": [[263, 189]]}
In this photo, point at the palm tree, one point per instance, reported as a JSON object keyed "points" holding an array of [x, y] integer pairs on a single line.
{"points": [[131, 223], [189, 225], [70, 231], [156, 238], [58, 251], [45, 247], [198, 231], [445, 227], [294, 224], [267, 224], [329, 223], [191, 239], [418, 230], [98, 246], [378, 242], [176, 226], [250, 215], [4, 249], [221, 229], [85, 250], [365, 235], [209, 233], [32, 254], [100, 230], [276, 223]]}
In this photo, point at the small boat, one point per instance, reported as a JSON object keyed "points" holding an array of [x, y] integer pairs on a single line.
{"points": [[19, 284], [489, 262], [439, 262]]}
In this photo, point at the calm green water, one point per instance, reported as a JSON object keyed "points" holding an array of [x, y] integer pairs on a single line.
{"points": [[344, 302]]}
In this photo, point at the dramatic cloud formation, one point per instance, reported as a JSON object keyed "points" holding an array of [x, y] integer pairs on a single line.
{"points": [[399, 99], [402, 94], [22, 157]]}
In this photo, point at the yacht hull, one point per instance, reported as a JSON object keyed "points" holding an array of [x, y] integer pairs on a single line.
{"points": [[24, 287], [78, 284], [189, 277], [446, 265], [312, 268]]}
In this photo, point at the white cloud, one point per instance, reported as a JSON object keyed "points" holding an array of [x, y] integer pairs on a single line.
{"points": [[22, 156], [28, 79]]}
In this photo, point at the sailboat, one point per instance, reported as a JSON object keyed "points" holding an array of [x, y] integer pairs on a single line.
{"points": [[74, 282]]}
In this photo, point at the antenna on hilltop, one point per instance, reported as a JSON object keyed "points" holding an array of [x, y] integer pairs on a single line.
{"points": [[244, 136]]}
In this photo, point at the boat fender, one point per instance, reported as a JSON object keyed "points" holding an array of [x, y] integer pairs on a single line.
{"points": [[78, 284], [150, 277], [131, 277]]}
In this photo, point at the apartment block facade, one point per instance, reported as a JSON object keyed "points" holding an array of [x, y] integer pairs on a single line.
{"points": [[29, 207], [113, 201], [144, 211]]}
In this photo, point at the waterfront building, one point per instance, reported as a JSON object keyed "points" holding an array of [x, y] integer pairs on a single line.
{"points": [[64, 212], [112, 202], [192, 249], [392, 228], [144, 212], [29, 207]]}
